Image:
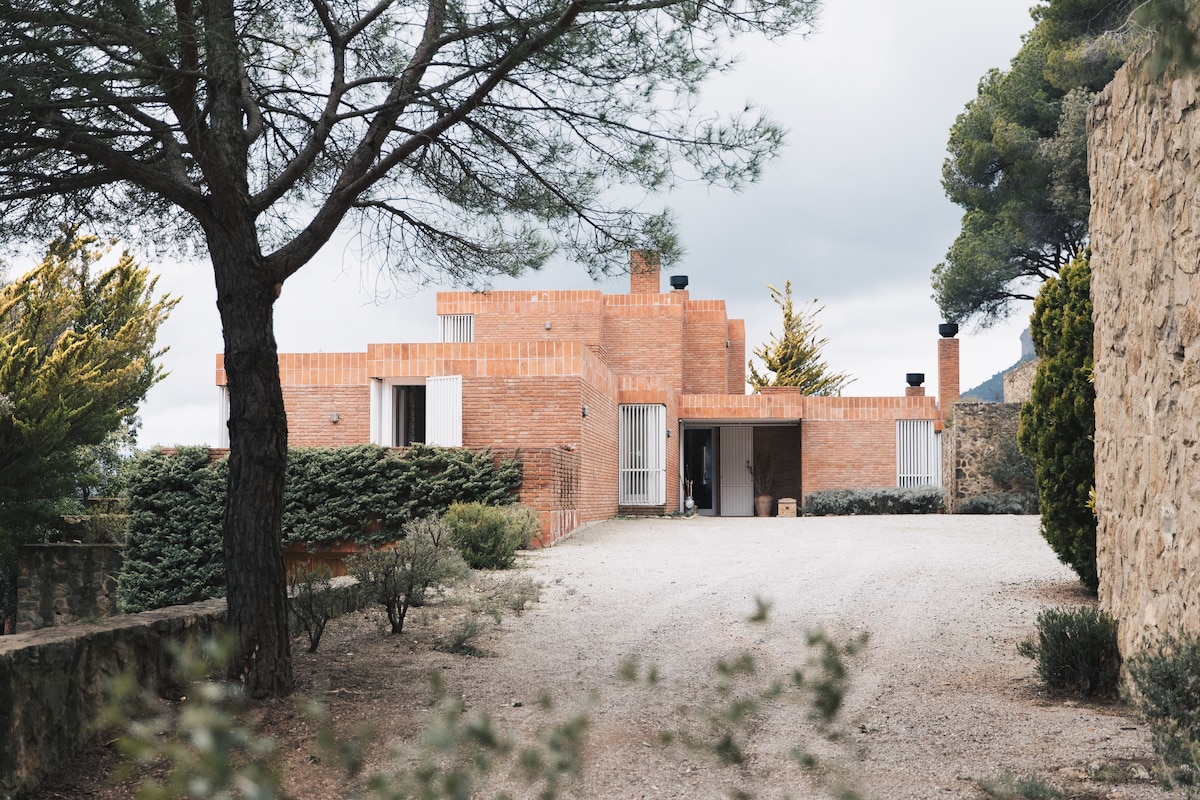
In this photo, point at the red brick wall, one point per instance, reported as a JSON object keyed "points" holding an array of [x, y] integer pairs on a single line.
{"points": [[948, 390], [598, 494], [735, 369], [643, 335], [521, 411], [550, 483], [574, 316], [706, 359], [309, 408], [848, 454], [644, 275]]}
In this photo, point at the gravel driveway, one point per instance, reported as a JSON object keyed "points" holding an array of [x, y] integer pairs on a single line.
{"points": [[939, 699]]}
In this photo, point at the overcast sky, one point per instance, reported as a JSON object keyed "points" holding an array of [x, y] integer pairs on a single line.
{"points": [[852, 213]]}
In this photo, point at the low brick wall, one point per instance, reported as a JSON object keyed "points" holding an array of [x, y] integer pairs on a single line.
{"points": [[52, 681], [58, 584]]}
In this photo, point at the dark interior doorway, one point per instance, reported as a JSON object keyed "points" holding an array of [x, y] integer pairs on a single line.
{"points": [[698, 466], [410, 415]]}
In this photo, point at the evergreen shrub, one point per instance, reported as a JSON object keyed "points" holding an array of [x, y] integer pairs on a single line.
{"points": [[843, 502], [364, 494], [1166, 683], [1058, 424], [1076, 651], [488, 536], [995, 503], [173, 544]]}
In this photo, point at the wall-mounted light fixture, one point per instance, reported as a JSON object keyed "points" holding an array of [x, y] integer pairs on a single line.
{"points": [[726, 344], [668, 433], [333, 417], [547, 326], [585, 411]]}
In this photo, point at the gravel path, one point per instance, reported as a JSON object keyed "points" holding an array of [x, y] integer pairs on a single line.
{"points": [[939, 699]]}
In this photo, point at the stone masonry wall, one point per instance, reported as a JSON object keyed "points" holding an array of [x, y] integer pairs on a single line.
{"points": [[1144, 167], [58, 584], [52, 681], [973, 436], [1018, 382]]}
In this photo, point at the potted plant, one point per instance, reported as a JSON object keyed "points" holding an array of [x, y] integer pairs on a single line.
{"points": [[762, 474]]}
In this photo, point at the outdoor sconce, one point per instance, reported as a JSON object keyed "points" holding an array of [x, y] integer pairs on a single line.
{"points": [[547, 326], [333, 417], [585, 411]]}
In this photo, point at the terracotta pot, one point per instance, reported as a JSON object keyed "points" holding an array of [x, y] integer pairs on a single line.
{"points": [[762, 505]]}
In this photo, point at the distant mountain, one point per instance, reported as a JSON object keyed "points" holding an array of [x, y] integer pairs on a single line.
{"points": [[992, 390]]}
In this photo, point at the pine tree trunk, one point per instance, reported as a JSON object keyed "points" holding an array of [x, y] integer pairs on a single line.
{"points": [[256, 584]]}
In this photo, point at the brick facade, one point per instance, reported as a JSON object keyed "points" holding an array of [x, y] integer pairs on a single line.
{"points": [[547, 372]]}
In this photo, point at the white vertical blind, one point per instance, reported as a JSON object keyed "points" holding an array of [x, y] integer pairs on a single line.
{"points": [[737, 481], [643, 455], [457, 327], [918, 453], [443, 411]]}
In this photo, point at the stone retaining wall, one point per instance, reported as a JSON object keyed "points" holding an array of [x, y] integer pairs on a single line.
{"points": [[972, 438], [58, 584], [52, 681], [1144, 167]]}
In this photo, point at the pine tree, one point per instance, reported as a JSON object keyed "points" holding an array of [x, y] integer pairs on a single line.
{"points": [[794, 357]]}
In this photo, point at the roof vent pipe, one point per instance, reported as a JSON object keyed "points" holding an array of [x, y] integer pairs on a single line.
{"points": [[679, 282], [914, 378]]}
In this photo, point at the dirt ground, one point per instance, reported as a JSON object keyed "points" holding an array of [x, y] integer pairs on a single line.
{"points": [[939, 700]]}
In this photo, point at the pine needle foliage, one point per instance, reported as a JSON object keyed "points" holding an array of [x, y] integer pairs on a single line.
{"points": [[1059, 421], [794, 357]]}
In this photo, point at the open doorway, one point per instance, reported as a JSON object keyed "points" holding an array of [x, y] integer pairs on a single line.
{"points": [[699, 460]]}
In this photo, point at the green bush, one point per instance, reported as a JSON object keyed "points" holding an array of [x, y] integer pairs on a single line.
{"points": [[488, 536], [173, 544], [1166, 682], [995, 503], [313, 605], [397, 576], [360, 493], [843, 502], [363, 494], [1059, 421], [1076, 651]]}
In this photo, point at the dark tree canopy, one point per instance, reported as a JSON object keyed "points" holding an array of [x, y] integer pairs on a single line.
{"points": [[468, 138], [1017, 160]]}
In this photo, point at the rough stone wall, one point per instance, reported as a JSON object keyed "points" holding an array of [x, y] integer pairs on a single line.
{"points": [[1144, 167], [51, 681], [1018, 382], [972, 438], [58, 584]]}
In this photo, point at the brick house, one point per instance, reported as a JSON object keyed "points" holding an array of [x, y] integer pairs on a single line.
{"points": [[613, 401]]}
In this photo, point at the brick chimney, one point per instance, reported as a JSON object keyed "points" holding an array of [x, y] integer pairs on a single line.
{"points": [[948, 390], [643, 272], [914, 387]]}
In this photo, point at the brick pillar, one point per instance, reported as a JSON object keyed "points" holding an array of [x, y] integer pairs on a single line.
{"points": [[735, 357], [914, 391], [948, 389], [643, 272]]}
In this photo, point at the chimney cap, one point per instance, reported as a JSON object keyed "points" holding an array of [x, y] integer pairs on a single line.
{"points": [[914, 378], [948, 329], [679, 281]]}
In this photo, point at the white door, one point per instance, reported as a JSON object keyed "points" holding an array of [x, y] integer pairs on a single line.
{"points": [[737, 487], [443, 411]]}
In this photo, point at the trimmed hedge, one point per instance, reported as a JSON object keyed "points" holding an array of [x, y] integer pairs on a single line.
{"points": [[360, 494], [995, 503], [844, 502], [173, 542]]}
